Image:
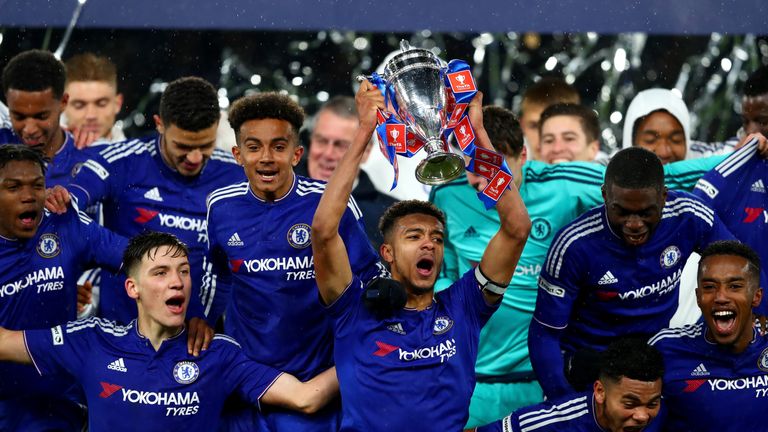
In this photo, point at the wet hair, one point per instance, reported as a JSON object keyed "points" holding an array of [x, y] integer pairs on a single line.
{"points": [[190, 103], [757, 83], [631, 358], [146, 244], [16, 152], [549, 91], [635, 168], [586, 116], [262, 106], [504, 130], [90, 67], [734, 248], [33, 71], [405, 208]]}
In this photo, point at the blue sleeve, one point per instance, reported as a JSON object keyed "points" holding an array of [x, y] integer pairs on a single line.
{"points": [[249, 379], [57, 350], [684, 175], [346, 308], [547, 359], [558, 284], [217, 277], [362, 258], [718, 231], [98, 244], [93, 182]]}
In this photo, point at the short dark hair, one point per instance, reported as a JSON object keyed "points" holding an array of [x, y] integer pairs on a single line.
{"points": [[16, 152], [268, 105], [550, 90], [635, 168], [146, 244], [632, 358], [504, 130], [757, 83], [190, 103], [35, 70], [90, 67], [587, 117], [405, 208], [733, 248]]}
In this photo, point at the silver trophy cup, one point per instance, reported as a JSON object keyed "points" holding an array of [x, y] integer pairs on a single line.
{"points": [[420, 94]]}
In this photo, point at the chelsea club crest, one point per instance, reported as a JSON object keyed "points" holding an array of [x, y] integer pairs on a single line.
{"points": [[48, 246], [299, 236], [442, 325], [185, 372], [670, 256], [762, 361]]}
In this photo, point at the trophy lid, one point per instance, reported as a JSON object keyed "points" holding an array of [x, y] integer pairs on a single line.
{"points": [[410, 57]]}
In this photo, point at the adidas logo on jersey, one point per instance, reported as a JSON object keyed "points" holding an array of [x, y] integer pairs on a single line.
{"points": [[235, 240], [607, 279], [153, 194], [397, 328], [118, 365], [471, 232], [700, 370], [758, 186]]}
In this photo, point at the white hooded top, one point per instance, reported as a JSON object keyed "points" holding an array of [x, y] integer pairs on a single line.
{"points": [[648, 101]]}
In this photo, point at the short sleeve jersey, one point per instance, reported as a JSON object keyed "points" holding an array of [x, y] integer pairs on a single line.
{"points": [[140, 192], [129, 386], [707, 387], [629, 290], [264, 273], [414, 370]]}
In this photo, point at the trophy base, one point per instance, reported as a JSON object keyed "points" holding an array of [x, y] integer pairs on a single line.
{"points": [[439, 168]]}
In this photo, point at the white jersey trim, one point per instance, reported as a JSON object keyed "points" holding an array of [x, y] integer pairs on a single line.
{"points": [[566, 411], [574, 232], [688, 331]]}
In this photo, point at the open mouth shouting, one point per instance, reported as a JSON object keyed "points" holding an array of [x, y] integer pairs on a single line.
{"points": [[425, 266], [175, 304], [267, 175], [724, 322], [636, 238], [28, 220]]}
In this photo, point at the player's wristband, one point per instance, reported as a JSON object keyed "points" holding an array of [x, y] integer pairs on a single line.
{"points": [[487, 284]]}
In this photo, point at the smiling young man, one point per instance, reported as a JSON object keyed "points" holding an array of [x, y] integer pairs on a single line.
{"points": [[142, 373], [626, 397], [41, 257], [159, 184], [643, 236], [262, 262], [568, 132], [413, 369], [722, 362], [33, 85]]}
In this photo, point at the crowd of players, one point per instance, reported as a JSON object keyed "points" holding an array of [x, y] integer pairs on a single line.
{"points": [[603, 292]]}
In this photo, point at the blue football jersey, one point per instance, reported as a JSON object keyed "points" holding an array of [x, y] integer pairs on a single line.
{"points": [[573, 413], [129, 386], [709, 388], [262, 269], [38, 290], [414, 370], [140, 192], [264, 273], [737, 189], [597, 288], [65, 162]]}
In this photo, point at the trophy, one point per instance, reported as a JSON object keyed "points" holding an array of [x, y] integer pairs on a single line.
{"points": [[416, 77]]}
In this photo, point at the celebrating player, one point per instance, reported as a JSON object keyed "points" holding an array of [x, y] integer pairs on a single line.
{"points": [[414, 369], [716, 375], [140, 376]]}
